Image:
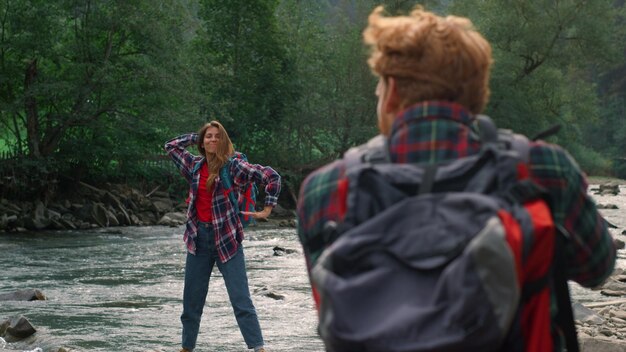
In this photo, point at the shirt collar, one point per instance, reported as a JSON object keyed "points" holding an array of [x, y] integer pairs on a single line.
{"points": [[432, 131], [429, 110]]}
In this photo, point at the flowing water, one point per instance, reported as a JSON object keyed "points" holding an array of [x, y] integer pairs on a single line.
{"points": [[119, 289]]}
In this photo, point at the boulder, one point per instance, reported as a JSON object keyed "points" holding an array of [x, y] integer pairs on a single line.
{"points": [[23, 295], [608, 189], [37, 219], [7, 221], [16, 328], [162, 205], [9, 208], [173, 219], [99, 214], [141, 201], [619, 314], [130, 204], [281, 212], [601, 344], [119, 210], [110, 199], [265, 291], [586, 315], [111, 218], [280, 251], [147, 217], [123, 218], [287, 223], [135, 220], [68, 221]]}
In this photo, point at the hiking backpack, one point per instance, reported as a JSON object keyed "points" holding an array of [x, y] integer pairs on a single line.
{"points": [[452, 257], [242, 199]]}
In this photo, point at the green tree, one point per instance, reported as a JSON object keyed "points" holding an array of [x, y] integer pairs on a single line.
{"points": [[608, 135], [245, 72], [86, 81], [336, 109], [547, 55]]}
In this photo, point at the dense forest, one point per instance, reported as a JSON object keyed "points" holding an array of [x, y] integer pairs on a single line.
{"points": [[90, 90]]}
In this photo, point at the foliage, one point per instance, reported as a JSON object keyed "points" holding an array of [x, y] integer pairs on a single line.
{"points": [[90, 90], [245, 72], [547, 64], [86, 81]]}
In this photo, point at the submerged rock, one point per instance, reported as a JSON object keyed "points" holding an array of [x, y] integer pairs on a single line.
{"points": [[16, 328], [608, 189], [23, 295], [280, 251], [269, 293]]}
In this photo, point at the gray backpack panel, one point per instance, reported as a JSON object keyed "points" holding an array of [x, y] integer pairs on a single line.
{"points": [[421, 272]]}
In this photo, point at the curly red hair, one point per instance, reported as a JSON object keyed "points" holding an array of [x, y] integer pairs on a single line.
{"points": [[430, 57]]}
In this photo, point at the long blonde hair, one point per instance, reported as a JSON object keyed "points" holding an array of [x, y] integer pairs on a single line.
{"points": [[224, 151]]}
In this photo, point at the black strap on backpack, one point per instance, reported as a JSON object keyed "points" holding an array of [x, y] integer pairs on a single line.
{"points": [[564, 318], [547, 133]]}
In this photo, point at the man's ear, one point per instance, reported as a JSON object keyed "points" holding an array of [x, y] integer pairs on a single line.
{"points": [[392, 101]]}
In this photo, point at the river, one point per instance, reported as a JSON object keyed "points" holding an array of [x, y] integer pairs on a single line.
{"points": [[119, 289]]}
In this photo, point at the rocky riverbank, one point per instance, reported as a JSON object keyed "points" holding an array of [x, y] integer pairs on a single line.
{"points": [[601, 322], [92, 207], [601, 326]]}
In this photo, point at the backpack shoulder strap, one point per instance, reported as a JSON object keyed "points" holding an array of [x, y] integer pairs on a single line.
{"points": [[227, 182], [375, 151], [565, 316], [508, 140], [225, 175], [197, 166], [502, 139]]}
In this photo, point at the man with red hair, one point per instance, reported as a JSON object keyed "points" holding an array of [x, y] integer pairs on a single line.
{"points": [[433, 80]]}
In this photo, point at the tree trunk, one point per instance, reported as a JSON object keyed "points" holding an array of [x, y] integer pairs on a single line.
{"points": [[30, 106]]}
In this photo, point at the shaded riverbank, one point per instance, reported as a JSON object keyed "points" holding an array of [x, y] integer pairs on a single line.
{"points": [[110, 205]]}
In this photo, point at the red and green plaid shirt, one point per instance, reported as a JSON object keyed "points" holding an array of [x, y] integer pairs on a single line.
{"points": [[439, 132], [225, 218]]}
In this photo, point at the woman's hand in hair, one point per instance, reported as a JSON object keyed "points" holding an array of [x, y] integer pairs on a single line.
{"points": [[263, 214]]}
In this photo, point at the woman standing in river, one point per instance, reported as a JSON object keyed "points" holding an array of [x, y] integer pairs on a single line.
{"points": [[213, 231]]}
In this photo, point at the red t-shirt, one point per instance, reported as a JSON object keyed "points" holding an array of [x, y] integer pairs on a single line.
{"points": [[204, 200]]}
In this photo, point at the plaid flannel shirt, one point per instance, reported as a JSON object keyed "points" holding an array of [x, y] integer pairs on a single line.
{"points": [[225, 220], [438, 132]]}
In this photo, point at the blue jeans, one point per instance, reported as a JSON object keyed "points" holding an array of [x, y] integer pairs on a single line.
{"points": [[197, 274]]}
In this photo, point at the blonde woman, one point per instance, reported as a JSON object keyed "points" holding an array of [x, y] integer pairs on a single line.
{"points": [[213, 232]]}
